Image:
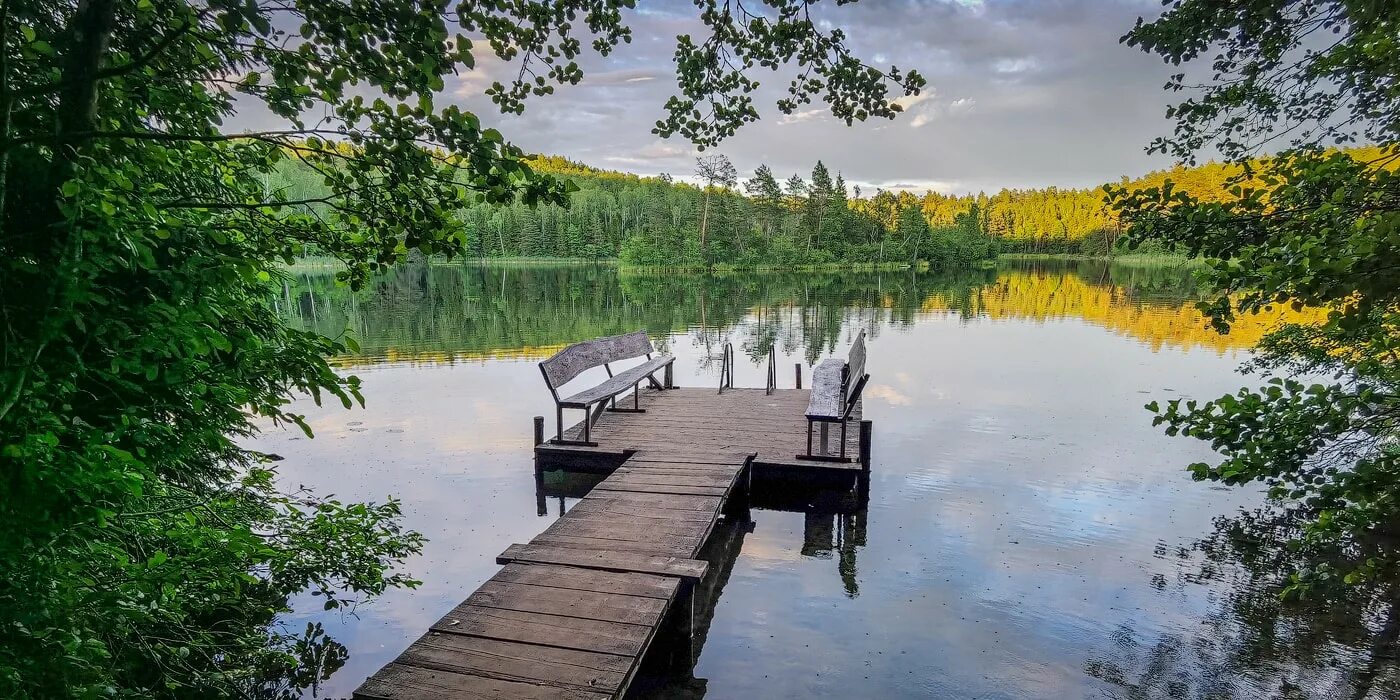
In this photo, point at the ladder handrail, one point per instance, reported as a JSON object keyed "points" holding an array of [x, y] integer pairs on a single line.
{"points": [[726, 369], [772, 370]]}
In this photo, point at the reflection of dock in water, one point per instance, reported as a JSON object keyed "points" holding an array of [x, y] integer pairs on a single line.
{"points": [[616, 596]]}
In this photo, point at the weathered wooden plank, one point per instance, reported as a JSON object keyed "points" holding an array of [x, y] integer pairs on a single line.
{"points": [[672, 478], [680, 453], [658, 500], [607, 560], [604, 507], [540, 628], [404, 682], [576, 579], [580, 357], [525, 663], [756, 421], [619, 382], [627, 487], [619, 526], [609, 607], [855, 360], [677, 469], [669, 546]]}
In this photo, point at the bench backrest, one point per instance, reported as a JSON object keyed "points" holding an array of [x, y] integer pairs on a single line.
{"points": [[851, 377], [580, 357]]}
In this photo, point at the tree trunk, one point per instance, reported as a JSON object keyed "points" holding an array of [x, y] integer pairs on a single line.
{"points": [[704, 221], [53, 237]]}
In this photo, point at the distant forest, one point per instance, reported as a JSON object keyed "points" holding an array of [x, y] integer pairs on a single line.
{"points": [[804, 219]]}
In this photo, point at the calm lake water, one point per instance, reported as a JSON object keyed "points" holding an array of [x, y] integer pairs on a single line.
{"points": [[1028, 532]]}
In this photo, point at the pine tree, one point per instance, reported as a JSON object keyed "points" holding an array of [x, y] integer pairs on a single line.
{"points": [[818, 194], [767, 196]]}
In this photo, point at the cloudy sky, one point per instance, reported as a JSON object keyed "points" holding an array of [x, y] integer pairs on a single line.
{"points": [[1022, 93]]}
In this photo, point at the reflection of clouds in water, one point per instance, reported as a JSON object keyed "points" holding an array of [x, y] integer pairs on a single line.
{"points": [[886, 393], [1040, 546]]}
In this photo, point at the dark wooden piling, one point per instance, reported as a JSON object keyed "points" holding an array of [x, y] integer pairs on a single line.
{"points": [[798, 369], [866, 429]]}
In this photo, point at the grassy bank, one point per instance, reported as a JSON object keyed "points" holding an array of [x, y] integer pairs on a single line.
{"points": [[1137, 259], [726, 268], [529, 261]]}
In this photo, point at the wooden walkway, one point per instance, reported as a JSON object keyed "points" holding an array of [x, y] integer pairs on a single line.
{"points": [[773, 426], [572, 612]]}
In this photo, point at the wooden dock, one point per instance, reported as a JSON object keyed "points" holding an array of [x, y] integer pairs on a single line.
{"points": [[572, 612], [694, 419]]}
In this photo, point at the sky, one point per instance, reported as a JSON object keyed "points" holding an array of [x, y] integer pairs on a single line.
{"points": [[1021, 93]]}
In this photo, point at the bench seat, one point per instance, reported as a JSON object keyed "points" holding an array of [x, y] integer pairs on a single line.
{"points": [[618, 383], [826, 400]]}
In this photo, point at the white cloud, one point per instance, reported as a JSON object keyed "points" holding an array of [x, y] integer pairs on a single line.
{"points": [[655, 156], [915, 186], [907, 102], [803, 116], [1024, 64]]}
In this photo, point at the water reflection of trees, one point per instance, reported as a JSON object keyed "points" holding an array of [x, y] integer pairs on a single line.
{"points": [[1252, 643], [431, 312]]}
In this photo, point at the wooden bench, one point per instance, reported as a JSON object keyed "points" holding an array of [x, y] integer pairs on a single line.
{"points": [[574, 360], [836, 387]]}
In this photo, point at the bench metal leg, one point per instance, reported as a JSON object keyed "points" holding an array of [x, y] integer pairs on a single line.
{"points": [[559, 429], [636, 402], [826, 455], [843, 441]]}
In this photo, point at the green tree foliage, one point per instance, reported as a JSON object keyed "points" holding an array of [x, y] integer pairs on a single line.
{"points": [[145, 553], [1307, 226], [799, 223], [912, 231]]}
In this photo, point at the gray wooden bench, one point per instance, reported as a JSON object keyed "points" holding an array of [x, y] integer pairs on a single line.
{"points": [[574, 360], [836, 387]]}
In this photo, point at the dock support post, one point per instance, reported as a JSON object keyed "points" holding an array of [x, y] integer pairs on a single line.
{"points": [[682, 646], [798, 367], [667, 383], [866, 428], [540, 508]]}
